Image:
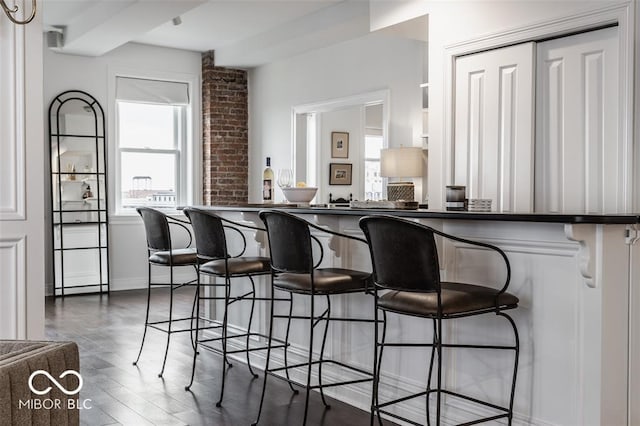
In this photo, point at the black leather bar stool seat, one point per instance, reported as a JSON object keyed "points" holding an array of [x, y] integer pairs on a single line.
{"points": [[456, 299], [406, 273], [236, 266], [175, 257], [325, 281]]}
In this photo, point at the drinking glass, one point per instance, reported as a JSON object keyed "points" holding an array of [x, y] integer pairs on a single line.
{"points": [[285, 178]]}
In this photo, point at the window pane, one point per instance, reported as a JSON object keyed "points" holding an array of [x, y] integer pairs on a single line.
{"points": [[148, 179], [372, 146], [146, 126], [372, 180]]}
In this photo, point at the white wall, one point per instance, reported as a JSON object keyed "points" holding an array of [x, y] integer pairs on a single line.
{"points": [[128, 266], [349, 120], [367, 64]]}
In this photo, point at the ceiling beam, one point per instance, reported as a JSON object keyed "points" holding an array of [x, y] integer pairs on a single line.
{"points": [[108, 25]]}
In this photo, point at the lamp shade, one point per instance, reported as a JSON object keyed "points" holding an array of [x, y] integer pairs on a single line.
{"points": [[401, 162]]}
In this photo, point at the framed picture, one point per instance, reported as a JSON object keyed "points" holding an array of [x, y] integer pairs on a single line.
{"points": [[340, 173], [339, 145]]}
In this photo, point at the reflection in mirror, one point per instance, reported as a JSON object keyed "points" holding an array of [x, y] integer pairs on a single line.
{"points": [[78, 194], [362, 121]]}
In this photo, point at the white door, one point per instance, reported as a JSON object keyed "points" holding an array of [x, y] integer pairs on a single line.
{"points": [[579, 152], [22, 180], [493, 148]]}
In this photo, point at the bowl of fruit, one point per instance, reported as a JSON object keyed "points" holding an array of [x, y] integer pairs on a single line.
{"points": [[301, 193]]}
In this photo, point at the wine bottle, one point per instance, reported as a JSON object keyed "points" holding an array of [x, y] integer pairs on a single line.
{"points": [[267, 183]]}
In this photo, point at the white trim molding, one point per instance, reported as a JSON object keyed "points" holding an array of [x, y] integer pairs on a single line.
{"points": [[12, 121]]}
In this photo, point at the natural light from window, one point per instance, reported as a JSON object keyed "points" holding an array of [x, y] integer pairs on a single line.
{"points": [[150, 138], [372, 179]]}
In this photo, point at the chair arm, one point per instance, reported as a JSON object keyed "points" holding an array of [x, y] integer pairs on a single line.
{"points": [[337, 234], [182, 224], [235, 227], [485, 245]]}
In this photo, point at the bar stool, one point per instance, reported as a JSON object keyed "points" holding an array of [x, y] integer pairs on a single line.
{"points": [[293, 271], [215, 260], [405, 262], [161, 253]]}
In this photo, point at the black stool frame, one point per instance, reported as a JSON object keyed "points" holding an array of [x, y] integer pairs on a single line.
{"points": [[437, 344], [221, 242], [313, 319], [158, 243]]}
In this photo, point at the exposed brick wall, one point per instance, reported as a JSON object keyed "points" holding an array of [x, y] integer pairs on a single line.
{"points": [[226, 133]]}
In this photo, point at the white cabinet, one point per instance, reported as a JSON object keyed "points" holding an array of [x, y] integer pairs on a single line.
{"points": [[580, 156], [493, 148], [536, 126]]}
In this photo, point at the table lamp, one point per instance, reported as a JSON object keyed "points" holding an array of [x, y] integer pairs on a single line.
{"points": [[403, 162]]}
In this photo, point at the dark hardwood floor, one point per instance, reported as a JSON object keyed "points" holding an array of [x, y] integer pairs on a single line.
{"points": [[108, 330]]}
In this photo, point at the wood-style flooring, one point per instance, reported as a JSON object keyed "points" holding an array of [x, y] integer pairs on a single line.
{"points": [[108, 330]]}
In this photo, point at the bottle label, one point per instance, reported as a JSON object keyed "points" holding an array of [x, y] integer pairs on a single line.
{"points": [[267, 189]]}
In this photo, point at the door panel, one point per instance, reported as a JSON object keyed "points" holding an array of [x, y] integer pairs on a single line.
{"points": [[21, 180], [493, 147], [579, 155]]}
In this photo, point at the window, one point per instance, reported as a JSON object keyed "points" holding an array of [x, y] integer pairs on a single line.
{"points": [[372, 179], [151, 139]]}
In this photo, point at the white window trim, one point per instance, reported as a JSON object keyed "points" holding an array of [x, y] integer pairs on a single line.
{"points": [[190, 181]]}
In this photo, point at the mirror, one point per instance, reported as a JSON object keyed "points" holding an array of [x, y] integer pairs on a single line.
{"points": [[78, 194], [337, 143]]}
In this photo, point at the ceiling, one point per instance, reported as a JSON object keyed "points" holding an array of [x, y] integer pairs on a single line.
{"points": [[243, 33]]}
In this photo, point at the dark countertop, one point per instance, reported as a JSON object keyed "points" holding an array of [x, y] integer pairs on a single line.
{"points": [[628, 218]]}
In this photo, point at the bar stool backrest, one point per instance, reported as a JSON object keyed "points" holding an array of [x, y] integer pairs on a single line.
{"points": [[156, 228], [209, 233], [289, 242], [403, 253]]}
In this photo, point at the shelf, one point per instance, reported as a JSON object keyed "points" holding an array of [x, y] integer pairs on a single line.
{"points": [[104, 222], [81, 210], [65, 135], [80, 248]]}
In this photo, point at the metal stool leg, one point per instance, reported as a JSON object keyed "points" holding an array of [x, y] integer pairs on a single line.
{"points": [[430, 375], [227, 290], [439, 352], [324, 340], [374, 384], [515, 364], [310, 365], [286, 345], [384, 337], [166, 350], [266, 367], [197, 331], [196, 299], [253, 303], [146, 318]]}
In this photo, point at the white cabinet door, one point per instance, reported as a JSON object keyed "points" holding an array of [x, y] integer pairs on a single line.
{"points": [[493, 137], [579, 152]]}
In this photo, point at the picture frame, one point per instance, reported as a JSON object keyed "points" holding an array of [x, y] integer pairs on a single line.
{"points": [[339, 145], [340, 173]]}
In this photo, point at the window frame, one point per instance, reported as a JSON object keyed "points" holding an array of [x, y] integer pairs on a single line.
{"points": [[188, 159]]}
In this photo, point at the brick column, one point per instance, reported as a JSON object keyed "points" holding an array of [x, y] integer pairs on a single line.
{"points": [[225, 133]]}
